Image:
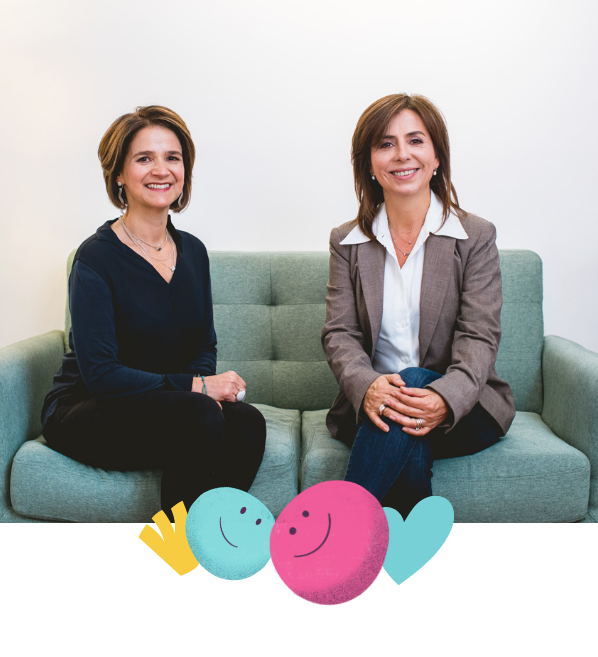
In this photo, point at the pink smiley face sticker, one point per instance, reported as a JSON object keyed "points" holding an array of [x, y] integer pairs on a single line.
{"points": [[329, 543]]}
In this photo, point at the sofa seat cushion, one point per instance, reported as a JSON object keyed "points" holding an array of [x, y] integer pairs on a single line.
{"points": [[49, 486], [529, 476]]}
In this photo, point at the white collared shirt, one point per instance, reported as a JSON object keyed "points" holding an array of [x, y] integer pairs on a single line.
{"points": [[398, 342]]}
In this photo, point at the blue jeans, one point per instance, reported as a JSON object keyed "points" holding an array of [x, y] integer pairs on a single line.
{"points": [[397, 467]]}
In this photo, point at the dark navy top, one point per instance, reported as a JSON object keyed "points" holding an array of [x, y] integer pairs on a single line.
{"points": [[131, 330]]}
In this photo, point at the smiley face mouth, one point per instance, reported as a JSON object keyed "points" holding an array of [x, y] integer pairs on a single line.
{"points": [[226, 539], [322, 543]]}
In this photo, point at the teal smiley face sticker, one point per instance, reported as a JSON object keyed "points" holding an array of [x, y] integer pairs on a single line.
{"points": [[228, 532]]}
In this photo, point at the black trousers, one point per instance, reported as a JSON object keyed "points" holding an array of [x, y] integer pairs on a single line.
{"points": [[197, 445]]}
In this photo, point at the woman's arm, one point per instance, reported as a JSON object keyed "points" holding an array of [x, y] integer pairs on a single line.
{"points": [[342, 335], [343, 341], [477, 331], [94, 341], [204, 359]]}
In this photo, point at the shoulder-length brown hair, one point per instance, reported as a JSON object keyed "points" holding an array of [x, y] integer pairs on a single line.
{"points": [[117, 139], [370, 129]]}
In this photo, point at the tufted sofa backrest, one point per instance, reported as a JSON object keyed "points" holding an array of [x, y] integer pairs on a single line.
{"points": [[269, 309]]}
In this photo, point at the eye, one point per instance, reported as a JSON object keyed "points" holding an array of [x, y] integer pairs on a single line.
{"points": [[417, 140], [173, 157], [292, 531], [144, 158], [257, 522], [386, 144], [243, 509], [305, 514]]}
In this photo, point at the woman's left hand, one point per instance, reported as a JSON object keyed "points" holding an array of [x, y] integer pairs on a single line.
{"points": [[406, 405]]}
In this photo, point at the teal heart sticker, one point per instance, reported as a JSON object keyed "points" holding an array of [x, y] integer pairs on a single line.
{"points": [[413, 542]]}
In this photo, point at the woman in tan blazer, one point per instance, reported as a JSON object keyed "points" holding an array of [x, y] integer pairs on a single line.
{"points": [[412, 311]]}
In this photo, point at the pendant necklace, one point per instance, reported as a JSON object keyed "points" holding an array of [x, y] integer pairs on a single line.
{"points": [[405, 253]]}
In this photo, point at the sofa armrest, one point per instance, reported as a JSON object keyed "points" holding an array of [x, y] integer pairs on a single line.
{"points": [[570, 376], [26, 372]]}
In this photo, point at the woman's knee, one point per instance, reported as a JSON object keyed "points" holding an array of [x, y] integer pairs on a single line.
{"points": [[245, 424], [197, 416], [244, 415], [418, 377]]}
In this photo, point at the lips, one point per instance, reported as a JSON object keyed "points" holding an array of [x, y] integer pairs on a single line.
{"points": [[403, 173], [159, 186]]}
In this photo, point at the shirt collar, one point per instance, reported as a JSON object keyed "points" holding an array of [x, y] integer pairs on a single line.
{"points": [[452, 226]]}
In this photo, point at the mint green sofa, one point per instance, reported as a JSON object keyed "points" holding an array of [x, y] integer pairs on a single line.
{"points": [[269, 311]]}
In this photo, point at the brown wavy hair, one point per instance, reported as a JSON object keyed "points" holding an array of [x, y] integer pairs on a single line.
{"points": [[371, 127], [117, 139]]}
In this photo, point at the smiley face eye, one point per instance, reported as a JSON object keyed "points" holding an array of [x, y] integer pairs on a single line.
{"points": [[257, 522], [243, 509], [306, 514], [292, 531]]}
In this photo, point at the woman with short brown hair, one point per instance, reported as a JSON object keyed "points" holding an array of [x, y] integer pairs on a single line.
{"points": [[139, 388]]}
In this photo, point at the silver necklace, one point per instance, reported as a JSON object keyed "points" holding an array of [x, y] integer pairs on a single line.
{"points": [[137, 243], [158, 247], [405, 231], [405, 253], [146, 254], [161, 260]]}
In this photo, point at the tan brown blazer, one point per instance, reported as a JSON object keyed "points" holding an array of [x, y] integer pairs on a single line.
{"points": [[460, 304]]}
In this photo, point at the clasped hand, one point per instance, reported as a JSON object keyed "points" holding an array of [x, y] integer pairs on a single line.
{"points": [[404, 405], [221, 387]]}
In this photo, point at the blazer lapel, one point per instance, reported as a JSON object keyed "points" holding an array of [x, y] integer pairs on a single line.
{"points": [[438, 267], [371, 257]]}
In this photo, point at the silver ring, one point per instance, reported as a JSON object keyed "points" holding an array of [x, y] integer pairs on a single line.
{"points": [[419, 423], [381, 410]]}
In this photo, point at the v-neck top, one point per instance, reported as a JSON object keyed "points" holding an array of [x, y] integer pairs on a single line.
{"points": [[131, 330]]}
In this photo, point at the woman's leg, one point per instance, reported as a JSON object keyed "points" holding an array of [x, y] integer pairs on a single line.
{"points": [[183, 433], [397, 468], [378, 459], [381, 456], [244, 443], [472, 434]]}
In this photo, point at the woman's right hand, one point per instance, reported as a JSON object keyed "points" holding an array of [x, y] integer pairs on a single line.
{"points": [[380, 390], [221, 387]]}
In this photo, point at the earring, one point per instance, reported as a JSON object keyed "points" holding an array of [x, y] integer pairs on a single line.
{"points": [[435, 170], [120, 193], [373, 177]]}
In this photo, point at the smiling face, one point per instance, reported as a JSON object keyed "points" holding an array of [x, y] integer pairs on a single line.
{"points": [[403, 161], [228, 531], [153, 171], [329, 544]]}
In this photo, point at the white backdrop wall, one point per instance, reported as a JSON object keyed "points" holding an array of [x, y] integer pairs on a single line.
{"points": [[271, 92]]}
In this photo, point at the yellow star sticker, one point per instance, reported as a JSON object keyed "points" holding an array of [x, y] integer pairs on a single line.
{"points": [[172, 546]]}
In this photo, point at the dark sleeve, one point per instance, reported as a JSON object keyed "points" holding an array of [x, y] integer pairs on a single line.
{"points": [[204, 360], [94, 342]]}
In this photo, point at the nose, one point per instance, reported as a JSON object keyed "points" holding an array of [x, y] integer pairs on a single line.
{"points": [[402, 153], [160, 168]]}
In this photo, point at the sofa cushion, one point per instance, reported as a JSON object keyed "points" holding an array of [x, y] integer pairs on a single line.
{"points": [[529, 476], [47, 485]]}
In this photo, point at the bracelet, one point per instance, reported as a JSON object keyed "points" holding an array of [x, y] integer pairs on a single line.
{"points": [[201, 376]]}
